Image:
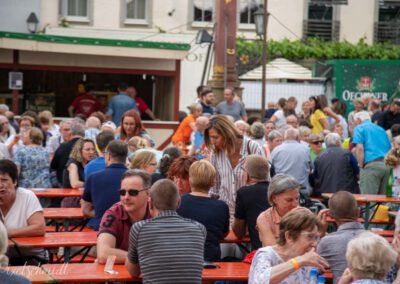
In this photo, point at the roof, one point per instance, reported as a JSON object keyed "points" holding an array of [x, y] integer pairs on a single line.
{"points": [[279, 68], [98, 42]]}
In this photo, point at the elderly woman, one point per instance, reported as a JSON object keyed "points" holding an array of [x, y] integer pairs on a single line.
{"points": [[22, 213], [369, 259], [198, 206], [257, 133], [274, 139], [229, 149], [283, 196], [292, 257], [33, 160], [179, 172], [7, 277]]}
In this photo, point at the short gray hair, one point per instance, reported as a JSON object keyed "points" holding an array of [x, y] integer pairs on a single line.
{"points": [[362, 115], [291, 134], [257, 130], [274, 134], [304, 130], [370, 256], [4, 108], [281, 183], [332, 139], [77, 128]]}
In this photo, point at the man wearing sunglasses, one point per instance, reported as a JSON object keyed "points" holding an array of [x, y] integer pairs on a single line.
{"points": [[167, 248], [117, 221]]}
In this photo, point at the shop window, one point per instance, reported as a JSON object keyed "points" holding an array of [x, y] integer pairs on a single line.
{"points": [[136, 11], [75, 10]]}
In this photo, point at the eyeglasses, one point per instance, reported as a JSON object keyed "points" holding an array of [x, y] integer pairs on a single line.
{"points": [[311, 237], [131, 192], [317, 142]]}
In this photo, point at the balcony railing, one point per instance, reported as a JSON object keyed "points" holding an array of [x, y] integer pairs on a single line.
{"points": [[327, 30], [387, 32]]}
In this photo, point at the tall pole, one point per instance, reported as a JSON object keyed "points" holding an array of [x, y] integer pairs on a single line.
{"points": [[264, 59]]}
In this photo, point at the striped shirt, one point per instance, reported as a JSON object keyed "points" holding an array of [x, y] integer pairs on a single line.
{"points": [[228, 181], [168, 248]]}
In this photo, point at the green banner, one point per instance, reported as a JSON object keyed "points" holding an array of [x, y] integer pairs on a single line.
{"points": [[357, 78]]}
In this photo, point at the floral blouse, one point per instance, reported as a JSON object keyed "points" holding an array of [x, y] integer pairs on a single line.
{"points": [[265, 259], [34, 164]]}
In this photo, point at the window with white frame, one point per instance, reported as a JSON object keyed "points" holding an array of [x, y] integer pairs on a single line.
{"points": [[136, 11], [203, 10], [75, 10], [247, 8]]}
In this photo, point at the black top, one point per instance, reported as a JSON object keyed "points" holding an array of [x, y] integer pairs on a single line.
{"points": [[250, 202], [157, 176], [207, 108], [269, 113], [389, 118], [377, 116], [213, 214], [81, 173], [61, 157]]}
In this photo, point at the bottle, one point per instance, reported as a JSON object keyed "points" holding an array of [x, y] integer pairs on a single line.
{"points": [[390, 184], [314, 276], [395, 188], [321, 279]]}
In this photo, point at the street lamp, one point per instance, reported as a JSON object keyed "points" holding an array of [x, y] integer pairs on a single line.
{"points": [[260, 21], [32, 23]]}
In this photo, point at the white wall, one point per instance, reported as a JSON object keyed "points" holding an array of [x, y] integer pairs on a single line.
{"points": [[14, 13], [357, 20]]}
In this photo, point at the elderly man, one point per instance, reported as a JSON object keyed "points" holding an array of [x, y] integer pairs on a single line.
{"points": [[102, 187], [167, 248], [6, 129], [293, 158], [372, 144], [251, 200], [344, 209], [336, 169], [113, 237], [292, 121], [231, 107], [21, 213]]}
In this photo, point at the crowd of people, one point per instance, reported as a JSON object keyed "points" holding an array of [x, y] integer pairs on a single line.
{"points": [[164, 213]]}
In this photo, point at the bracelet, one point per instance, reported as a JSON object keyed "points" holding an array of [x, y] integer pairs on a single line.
{"points": [[295, 263]]}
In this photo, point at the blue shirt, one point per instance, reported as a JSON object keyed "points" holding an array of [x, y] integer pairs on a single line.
{"points": [[118, 105], [374, 139], [95, 165], [102, 190]]}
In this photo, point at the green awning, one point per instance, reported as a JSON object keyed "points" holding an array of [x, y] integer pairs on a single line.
{"points": [[95, 41]]}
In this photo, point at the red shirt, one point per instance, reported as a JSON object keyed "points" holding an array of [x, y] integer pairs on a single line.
{"points": [[116, 222], [86, 104], [141, 105]]}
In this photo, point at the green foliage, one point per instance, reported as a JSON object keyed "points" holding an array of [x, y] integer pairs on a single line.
{"points": [[249, 51]]}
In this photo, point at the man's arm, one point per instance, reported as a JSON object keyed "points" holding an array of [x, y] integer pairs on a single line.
{"points": [[87, 209], [360, 155], [239, 228], [133, 268], [151, 114], [71, 110], [36, 227], [106, 246]]}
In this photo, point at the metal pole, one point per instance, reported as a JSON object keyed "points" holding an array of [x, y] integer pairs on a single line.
{"points": [[263, 60], [206, 64]]}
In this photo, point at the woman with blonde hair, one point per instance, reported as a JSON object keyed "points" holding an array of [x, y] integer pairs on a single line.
{"points": [[7, 277], [229, 149], [47, 124], [82, 153], [144, 160]]}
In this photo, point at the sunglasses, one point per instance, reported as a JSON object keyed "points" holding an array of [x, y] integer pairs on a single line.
{"points": [[317, 142], [131, 192]]}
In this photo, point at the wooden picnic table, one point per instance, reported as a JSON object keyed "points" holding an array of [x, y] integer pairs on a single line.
{"points": [[94, 272], [370, 201], [56, 192], [65, 214], [34, 273], [59, 239]]}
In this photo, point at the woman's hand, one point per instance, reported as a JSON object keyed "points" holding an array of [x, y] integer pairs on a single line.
{"points": [[346, 277], [313, 259]]}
